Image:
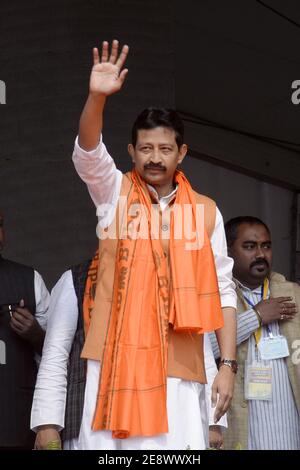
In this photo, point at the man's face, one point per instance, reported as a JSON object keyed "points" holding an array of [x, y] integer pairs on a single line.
{"points": [[156, 155], [252, 254], [1, 233]]}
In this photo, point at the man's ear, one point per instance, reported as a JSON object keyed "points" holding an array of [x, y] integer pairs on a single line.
{"points": [[131, 152], [182, 153]]}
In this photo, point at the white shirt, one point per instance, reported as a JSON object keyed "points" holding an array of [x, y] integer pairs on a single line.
{"points": [[42, 300]]}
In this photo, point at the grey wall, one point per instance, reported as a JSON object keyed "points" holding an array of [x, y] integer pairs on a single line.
{"points": [[237, 194], [235, 64]]}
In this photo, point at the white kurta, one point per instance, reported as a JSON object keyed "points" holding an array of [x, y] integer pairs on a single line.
{"points": [[42, 300], [188, 403]]}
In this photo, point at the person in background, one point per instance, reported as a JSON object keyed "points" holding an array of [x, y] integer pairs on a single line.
{"points": [[264, 413], [24, 301]]}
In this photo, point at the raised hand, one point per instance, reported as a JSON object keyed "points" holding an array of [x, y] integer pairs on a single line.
{"points": [[106, 76]]}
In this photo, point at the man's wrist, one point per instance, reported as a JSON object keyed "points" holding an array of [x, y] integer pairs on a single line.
{"points": [[97, 98], [232, 363], [259, 317], [46, 427]]}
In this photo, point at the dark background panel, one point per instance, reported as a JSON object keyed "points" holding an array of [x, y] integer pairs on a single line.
{"points": [[45, 61], [226, 66]]}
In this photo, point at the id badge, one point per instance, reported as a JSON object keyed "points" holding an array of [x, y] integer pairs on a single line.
{"points": [[258, 381], [274, 347]]}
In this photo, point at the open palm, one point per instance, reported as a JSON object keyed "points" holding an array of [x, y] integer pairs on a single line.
{"points": [[106, 76]]}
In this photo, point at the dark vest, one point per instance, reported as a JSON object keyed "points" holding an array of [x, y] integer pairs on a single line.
{"points": [[18, 373], [76, 378]]}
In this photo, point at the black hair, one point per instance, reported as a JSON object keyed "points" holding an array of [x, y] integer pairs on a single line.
{"points": [[232, 226], [151, 118]]}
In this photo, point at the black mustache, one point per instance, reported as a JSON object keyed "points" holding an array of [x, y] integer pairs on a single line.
{"points": [[154, 166], [260, 261]]}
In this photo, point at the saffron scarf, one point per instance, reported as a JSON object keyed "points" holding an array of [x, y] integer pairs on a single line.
{"points": [[131, 399]]}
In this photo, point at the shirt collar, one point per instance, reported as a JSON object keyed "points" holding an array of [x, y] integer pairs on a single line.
{"points": [[164, 199], [257, 290]]}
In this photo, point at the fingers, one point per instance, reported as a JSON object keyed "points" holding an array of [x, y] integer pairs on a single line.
{"points": [[104, 57], [95, 56], [287, 317], [17, 326], [123, 75], [283, 299], [36, 446], [114, 51], [287, 311], [21, 320], [290, 307], [215, 437], [222, 407], [217, 444], [219, 410], [214, 396], [122, 56], [113, 59], [17, 316], [22, 313]]}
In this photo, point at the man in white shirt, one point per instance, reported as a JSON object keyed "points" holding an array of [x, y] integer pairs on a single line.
{"points": [[156, 152]]}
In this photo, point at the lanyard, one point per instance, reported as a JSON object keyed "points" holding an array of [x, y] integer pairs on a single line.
{"points": [[264, 296]]}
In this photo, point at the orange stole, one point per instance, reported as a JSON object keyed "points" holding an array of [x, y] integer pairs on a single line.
{"points": [[132, 398]]}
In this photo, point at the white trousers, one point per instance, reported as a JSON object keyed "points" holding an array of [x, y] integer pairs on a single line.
{"points": [[187, 419]]}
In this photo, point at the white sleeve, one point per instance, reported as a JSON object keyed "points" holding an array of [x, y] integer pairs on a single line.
{"points": [[98, 170], [224, 263], [42, 300], [49, 399], [211, 371]]}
